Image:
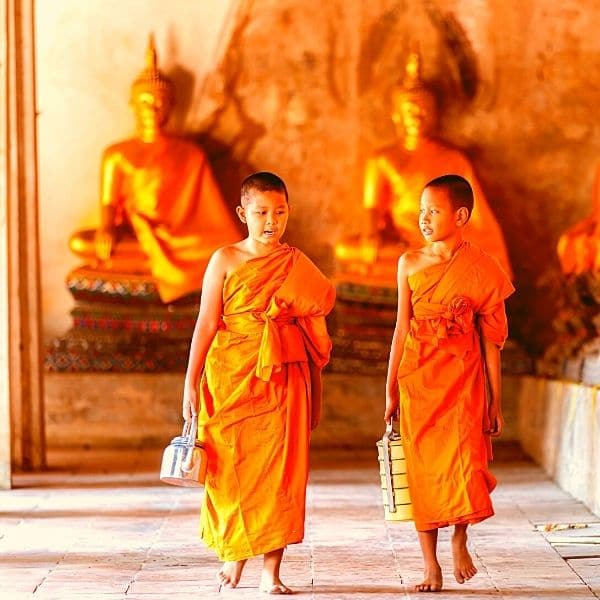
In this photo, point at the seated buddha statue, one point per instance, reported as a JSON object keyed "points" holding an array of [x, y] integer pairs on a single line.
{"points": [[161, 211], [579, 246], [394, 179]]}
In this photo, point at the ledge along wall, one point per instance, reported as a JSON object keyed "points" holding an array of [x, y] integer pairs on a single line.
{"points": [[559, 427], [141, 410]]}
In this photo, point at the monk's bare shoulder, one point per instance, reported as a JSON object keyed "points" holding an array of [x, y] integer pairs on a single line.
{"points": [[224, 260], [412, 261]]}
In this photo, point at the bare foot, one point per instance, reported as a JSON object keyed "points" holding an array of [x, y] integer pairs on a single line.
{"points": [[464, 569], [432, 581], [230, 573], [269, 578], [268, 585]]}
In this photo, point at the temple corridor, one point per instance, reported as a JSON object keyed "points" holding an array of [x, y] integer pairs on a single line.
{"points": [[100, 526]]}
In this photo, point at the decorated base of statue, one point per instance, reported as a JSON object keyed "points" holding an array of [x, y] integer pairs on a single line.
{"points": [[120, 324]]}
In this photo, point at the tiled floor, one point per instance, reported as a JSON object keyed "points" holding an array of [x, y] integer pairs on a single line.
{"points": [[93, 530]]}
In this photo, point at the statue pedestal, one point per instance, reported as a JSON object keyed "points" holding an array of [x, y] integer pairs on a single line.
{"points": [[120, 324], [575, 353], [362, 325]]}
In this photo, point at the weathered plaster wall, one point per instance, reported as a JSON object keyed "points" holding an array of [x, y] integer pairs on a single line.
{"points": [[302, 87], [310, 97]]}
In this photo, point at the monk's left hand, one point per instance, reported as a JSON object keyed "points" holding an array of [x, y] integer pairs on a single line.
{"points": [[392, 406], [496, 420]]}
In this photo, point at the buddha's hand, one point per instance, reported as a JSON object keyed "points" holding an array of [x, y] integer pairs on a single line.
{"points": [[190, 402], [103, 243]]}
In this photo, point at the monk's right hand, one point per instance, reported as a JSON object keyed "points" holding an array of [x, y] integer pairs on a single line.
{"points": [[190, 402]]}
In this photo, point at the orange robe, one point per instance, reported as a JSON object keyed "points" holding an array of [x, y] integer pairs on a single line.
{"points": [[442, 387], [256, 403]]}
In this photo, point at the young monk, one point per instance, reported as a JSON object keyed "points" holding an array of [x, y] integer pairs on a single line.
{"points": [[444, 374], [254, 379]]}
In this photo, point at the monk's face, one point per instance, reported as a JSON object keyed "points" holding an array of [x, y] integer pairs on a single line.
{"points": [[438, 220], [266, 215]]}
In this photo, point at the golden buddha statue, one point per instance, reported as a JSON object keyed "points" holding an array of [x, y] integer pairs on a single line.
{"points": [[161, 210], [579, 246], [394, 179]]}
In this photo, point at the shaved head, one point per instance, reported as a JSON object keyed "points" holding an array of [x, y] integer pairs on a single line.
{"points": [[459, 190], [261, 182]]}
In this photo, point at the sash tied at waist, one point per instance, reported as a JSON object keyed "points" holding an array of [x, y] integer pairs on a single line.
{"points": [[280, 342], [449, 326]]}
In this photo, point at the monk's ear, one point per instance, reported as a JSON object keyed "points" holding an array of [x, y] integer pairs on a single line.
{"points": [[462, 216], [241, 213]]}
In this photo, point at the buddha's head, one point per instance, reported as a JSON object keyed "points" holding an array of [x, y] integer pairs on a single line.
{"points": [[152, 95], [414, 106]]}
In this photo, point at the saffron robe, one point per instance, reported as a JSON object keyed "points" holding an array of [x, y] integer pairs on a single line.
{"points": [[443, 387], [255, 411]]}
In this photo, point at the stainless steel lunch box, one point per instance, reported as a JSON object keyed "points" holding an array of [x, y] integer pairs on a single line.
{"points": [[184, 459]]}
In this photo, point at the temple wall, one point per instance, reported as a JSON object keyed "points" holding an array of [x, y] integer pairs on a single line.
{"points": [[302, 87], [513, 97]]}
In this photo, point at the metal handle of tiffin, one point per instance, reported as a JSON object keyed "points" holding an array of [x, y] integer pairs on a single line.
{"points": [[190, 430], [389, 435]]}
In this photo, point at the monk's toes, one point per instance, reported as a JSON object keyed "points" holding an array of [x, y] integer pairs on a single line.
{"points": [[225, 580], [428, 587], [277, 590], [465, 573]]}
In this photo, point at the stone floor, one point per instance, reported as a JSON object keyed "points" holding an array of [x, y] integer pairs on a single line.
{"points": [[91, 529]]}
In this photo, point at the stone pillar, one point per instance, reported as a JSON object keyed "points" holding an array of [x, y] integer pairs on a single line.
{"points": [[5, 438], [21, 377]]}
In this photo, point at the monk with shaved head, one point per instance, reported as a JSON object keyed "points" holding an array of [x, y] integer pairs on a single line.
{"points": [[444, 374], [254, 380]]}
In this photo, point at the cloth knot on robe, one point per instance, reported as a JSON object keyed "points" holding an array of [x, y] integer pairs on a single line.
{"points": [[448, 326], [281, 340]]}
